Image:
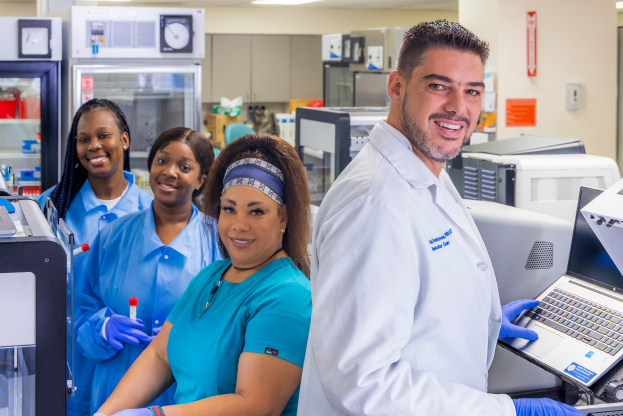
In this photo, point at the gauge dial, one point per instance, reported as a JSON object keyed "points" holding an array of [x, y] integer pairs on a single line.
{"points": [[176, 34], [34, 38]]}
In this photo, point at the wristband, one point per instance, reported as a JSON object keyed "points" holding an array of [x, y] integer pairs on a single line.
{"points": [[156, 410]]}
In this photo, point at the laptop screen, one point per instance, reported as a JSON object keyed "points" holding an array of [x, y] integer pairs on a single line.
{"points": [[588, 259]]}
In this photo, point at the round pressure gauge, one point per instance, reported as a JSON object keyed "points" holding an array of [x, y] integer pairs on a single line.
{"points": [[34, 38], [176, 34]]}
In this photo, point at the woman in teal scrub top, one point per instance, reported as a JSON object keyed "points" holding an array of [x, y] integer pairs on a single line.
{"points": [[150, 255], [94, 191], [235, 342]]}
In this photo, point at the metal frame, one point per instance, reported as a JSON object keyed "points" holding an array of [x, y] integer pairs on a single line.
{"points": [[50, 74], [79, 70]]}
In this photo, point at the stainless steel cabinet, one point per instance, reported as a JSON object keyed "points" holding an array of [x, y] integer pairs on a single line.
{"points": [[231, 67]]}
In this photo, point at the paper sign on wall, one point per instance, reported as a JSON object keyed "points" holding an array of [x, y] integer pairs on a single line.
{"points": [[87, 95], [532, 44], [521, 112], [375, 57], [335, 47], [86, 83]]}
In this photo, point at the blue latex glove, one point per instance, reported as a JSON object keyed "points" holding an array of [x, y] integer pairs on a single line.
{"points": [[120, 329], [134, 412], [510, 311], [543, 407], [154, 332]]}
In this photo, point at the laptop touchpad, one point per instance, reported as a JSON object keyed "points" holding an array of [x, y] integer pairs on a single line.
{"points": [[541, 347]]}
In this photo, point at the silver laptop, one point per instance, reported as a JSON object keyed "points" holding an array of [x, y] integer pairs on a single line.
{"points": [[7, 228], [580, 318]]}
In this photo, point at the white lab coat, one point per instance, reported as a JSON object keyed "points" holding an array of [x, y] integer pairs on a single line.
{"points": [[398, 327]]}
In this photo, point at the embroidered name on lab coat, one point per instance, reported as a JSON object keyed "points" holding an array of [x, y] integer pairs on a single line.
{"points": [[441, 241]]}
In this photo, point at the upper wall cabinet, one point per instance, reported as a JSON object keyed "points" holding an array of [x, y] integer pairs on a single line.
{"points": [[263, 68], [305, 67], [231, 67], [270, 68], [206, 72]]}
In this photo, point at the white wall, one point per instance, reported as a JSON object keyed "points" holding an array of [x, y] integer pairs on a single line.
{"points": [[576, 43], [304, 21]]}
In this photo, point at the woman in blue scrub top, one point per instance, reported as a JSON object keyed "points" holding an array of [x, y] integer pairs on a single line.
{"points": [[96, 187], [151, 255], [93, 191], [235, 342]]}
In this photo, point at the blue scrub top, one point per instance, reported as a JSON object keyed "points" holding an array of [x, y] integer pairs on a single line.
{"points": [[268, 313], [129, 260], [85, 217]]}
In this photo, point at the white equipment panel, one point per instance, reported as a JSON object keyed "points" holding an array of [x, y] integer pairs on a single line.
{"points": [[9, 34], [137, 32]]}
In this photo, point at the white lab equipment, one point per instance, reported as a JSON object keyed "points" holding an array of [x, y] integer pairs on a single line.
{"points": [[35, 316], [529, 251], [548, 184], [376, 50], [328, 138], [605, 216], [145, 59]]}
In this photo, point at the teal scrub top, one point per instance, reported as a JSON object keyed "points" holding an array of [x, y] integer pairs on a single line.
{"points": [[268, 313]]}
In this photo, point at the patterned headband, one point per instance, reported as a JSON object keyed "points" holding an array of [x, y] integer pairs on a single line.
{"points": [[258, 174]]}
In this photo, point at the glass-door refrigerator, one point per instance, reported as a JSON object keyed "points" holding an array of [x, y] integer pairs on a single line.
{"points": [[30, 73], [337, 78], [147, 60]]}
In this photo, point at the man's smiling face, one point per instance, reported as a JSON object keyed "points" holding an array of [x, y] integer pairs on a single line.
{"points": [[441, 103]]}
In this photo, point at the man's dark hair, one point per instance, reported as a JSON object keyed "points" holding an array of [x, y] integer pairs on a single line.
{"points": [[438, 34]]}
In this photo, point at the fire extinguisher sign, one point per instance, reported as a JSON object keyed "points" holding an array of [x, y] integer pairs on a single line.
{"points": [[531, 44]]}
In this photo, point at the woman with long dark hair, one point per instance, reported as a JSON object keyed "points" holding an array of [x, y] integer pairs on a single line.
{"points": [[150, 255], [235, 342], [95, 189]]}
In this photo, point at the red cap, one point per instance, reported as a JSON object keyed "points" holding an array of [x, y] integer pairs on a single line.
{"points": [[85, 247], [133, 301]]}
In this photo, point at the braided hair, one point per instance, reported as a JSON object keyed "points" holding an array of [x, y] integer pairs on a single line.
{"points": [[74, 174]]}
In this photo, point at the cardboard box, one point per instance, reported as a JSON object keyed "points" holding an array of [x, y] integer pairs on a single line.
{"points": [[215, 126]]}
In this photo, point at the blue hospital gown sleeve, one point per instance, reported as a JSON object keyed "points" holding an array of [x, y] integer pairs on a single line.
{"points": [[279, 322], [90, 309]]}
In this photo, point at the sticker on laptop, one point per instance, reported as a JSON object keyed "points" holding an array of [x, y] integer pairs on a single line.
{"points": [[581, 373], [590, 354]]}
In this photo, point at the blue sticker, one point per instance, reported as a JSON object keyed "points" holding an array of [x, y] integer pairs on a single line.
{"points": [[583, 374], [590, 354]]}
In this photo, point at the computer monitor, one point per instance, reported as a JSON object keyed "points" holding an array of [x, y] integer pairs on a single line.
{"points": [[588, 259]]}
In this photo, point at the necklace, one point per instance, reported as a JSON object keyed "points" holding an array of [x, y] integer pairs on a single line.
{"points": [[215, 288], [254, 267]]}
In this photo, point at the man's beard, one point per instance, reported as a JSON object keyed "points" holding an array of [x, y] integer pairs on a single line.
{"points": [[421, 141]]}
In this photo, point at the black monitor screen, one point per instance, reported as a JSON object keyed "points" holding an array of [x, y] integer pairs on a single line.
{"points": [[588, 258]]}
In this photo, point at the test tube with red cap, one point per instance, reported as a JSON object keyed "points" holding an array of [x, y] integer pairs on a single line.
{"points": [[81, 249], [133, 303]]}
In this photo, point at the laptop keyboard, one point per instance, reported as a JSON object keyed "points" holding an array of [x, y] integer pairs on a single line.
{"points": [[607, 413], [589, 322]]}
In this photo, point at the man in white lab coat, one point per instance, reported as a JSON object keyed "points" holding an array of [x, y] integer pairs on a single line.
{"points": [[406, 312]]}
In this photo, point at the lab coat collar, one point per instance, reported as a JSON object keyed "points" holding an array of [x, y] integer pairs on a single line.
{"points": [[186, 241], [90, 201], [395, 147], [398, 151]]}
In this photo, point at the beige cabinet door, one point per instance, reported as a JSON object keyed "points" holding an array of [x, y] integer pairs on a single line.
{"points": [[231, 67], [306, 67], [206, 72], [270, 68]]}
